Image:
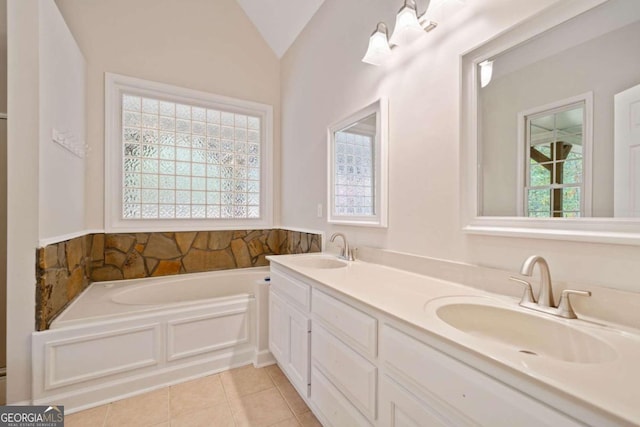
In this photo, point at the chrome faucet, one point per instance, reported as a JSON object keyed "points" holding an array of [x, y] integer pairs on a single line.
{"points": [[545, 302], [345, 253]]}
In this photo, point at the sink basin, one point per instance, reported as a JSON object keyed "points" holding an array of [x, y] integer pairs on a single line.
{"points": [[527, 333], [320, 262]]}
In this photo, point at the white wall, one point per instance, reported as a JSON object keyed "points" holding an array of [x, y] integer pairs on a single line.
{"points": [[45, 90], [62, 107], [3, 185], [208, 45], [22, 192], [324, 80]]}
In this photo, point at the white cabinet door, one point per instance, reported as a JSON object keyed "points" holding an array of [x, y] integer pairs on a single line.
{"points": [[460, 390], [289, 340], [400, 408], [278, 328], [298, 365], [335, 409], [348, 371]]}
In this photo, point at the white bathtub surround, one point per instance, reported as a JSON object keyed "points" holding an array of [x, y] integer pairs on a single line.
{"points": [[400, 349], [123, 338]]}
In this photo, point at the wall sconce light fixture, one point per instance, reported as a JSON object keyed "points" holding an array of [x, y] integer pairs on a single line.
{"points": [[486, 72], [379, 48], [409, 27]]}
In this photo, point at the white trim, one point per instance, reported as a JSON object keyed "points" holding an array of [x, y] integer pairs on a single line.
{"points": [[602, 230], [50, 347], [263, 358], [381, 166], [172, 354], [64, 237], [20, 403], [115, 85]]}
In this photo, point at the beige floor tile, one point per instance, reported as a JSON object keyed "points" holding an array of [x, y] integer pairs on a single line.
{"points": [[276, 374], [260, 409], [291, 422], [196, 394], [145, 410], [308, 420], [246, 380], [214, 416], [90, 417], [293, 399]]}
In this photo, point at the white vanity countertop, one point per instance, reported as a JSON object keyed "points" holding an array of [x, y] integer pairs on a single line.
{"points": [[610, 388]]}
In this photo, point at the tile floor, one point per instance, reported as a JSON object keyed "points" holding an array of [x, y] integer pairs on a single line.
{"points": [[246, 397]]}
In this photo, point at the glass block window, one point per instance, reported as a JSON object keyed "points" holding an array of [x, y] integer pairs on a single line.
{"points": [[354, 174], [182, 161]]}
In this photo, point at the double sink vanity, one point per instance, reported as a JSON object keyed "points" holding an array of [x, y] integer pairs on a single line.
{"points": [[546, 138], [370, 344]]}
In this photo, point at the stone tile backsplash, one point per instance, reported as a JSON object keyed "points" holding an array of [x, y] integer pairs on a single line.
{"points": [[66, 268], [62, 272]]}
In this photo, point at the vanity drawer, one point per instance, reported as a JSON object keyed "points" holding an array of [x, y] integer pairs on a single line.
{"points": [[351, 373], [335, 410], [354, 327], [398, 407], [464, 391], [295, 291]]}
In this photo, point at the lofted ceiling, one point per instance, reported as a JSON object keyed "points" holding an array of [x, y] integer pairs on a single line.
{"points": [[280, 21]]}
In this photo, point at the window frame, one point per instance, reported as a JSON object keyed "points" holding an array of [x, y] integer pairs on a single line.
{"points": [[380, 108], [587, 149], [115, 86]]}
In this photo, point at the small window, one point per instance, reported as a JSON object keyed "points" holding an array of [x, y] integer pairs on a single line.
{"points": [[556, 146], [354, 180], [181, 158], [357, 168]]}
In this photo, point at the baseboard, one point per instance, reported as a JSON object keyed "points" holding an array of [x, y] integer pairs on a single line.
{"points": [[263, 358], [20, 403]]}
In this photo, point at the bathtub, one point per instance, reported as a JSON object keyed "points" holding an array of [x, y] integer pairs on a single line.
{"points": [[126, 337]]}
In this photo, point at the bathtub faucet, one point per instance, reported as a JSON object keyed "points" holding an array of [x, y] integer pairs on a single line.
{"points": [[345, 253]]}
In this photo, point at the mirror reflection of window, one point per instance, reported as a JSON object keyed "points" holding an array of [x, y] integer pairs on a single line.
{"points": [[354, 172], [357, 167], [554, 162]]}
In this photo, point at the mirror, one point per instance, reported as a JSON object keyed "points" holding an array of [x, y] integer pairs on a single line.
{"points": [[551, 126], [357, 167]]}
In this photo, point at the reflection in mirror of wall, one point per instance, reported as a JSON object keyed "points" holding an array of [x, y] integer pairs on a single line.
{"points": [[544, 156], [357, 168]]}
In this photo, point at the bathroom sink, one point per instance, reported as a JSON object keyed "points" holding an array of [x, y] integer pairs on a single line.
{"points": [[320, 262], [528, 333]]}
